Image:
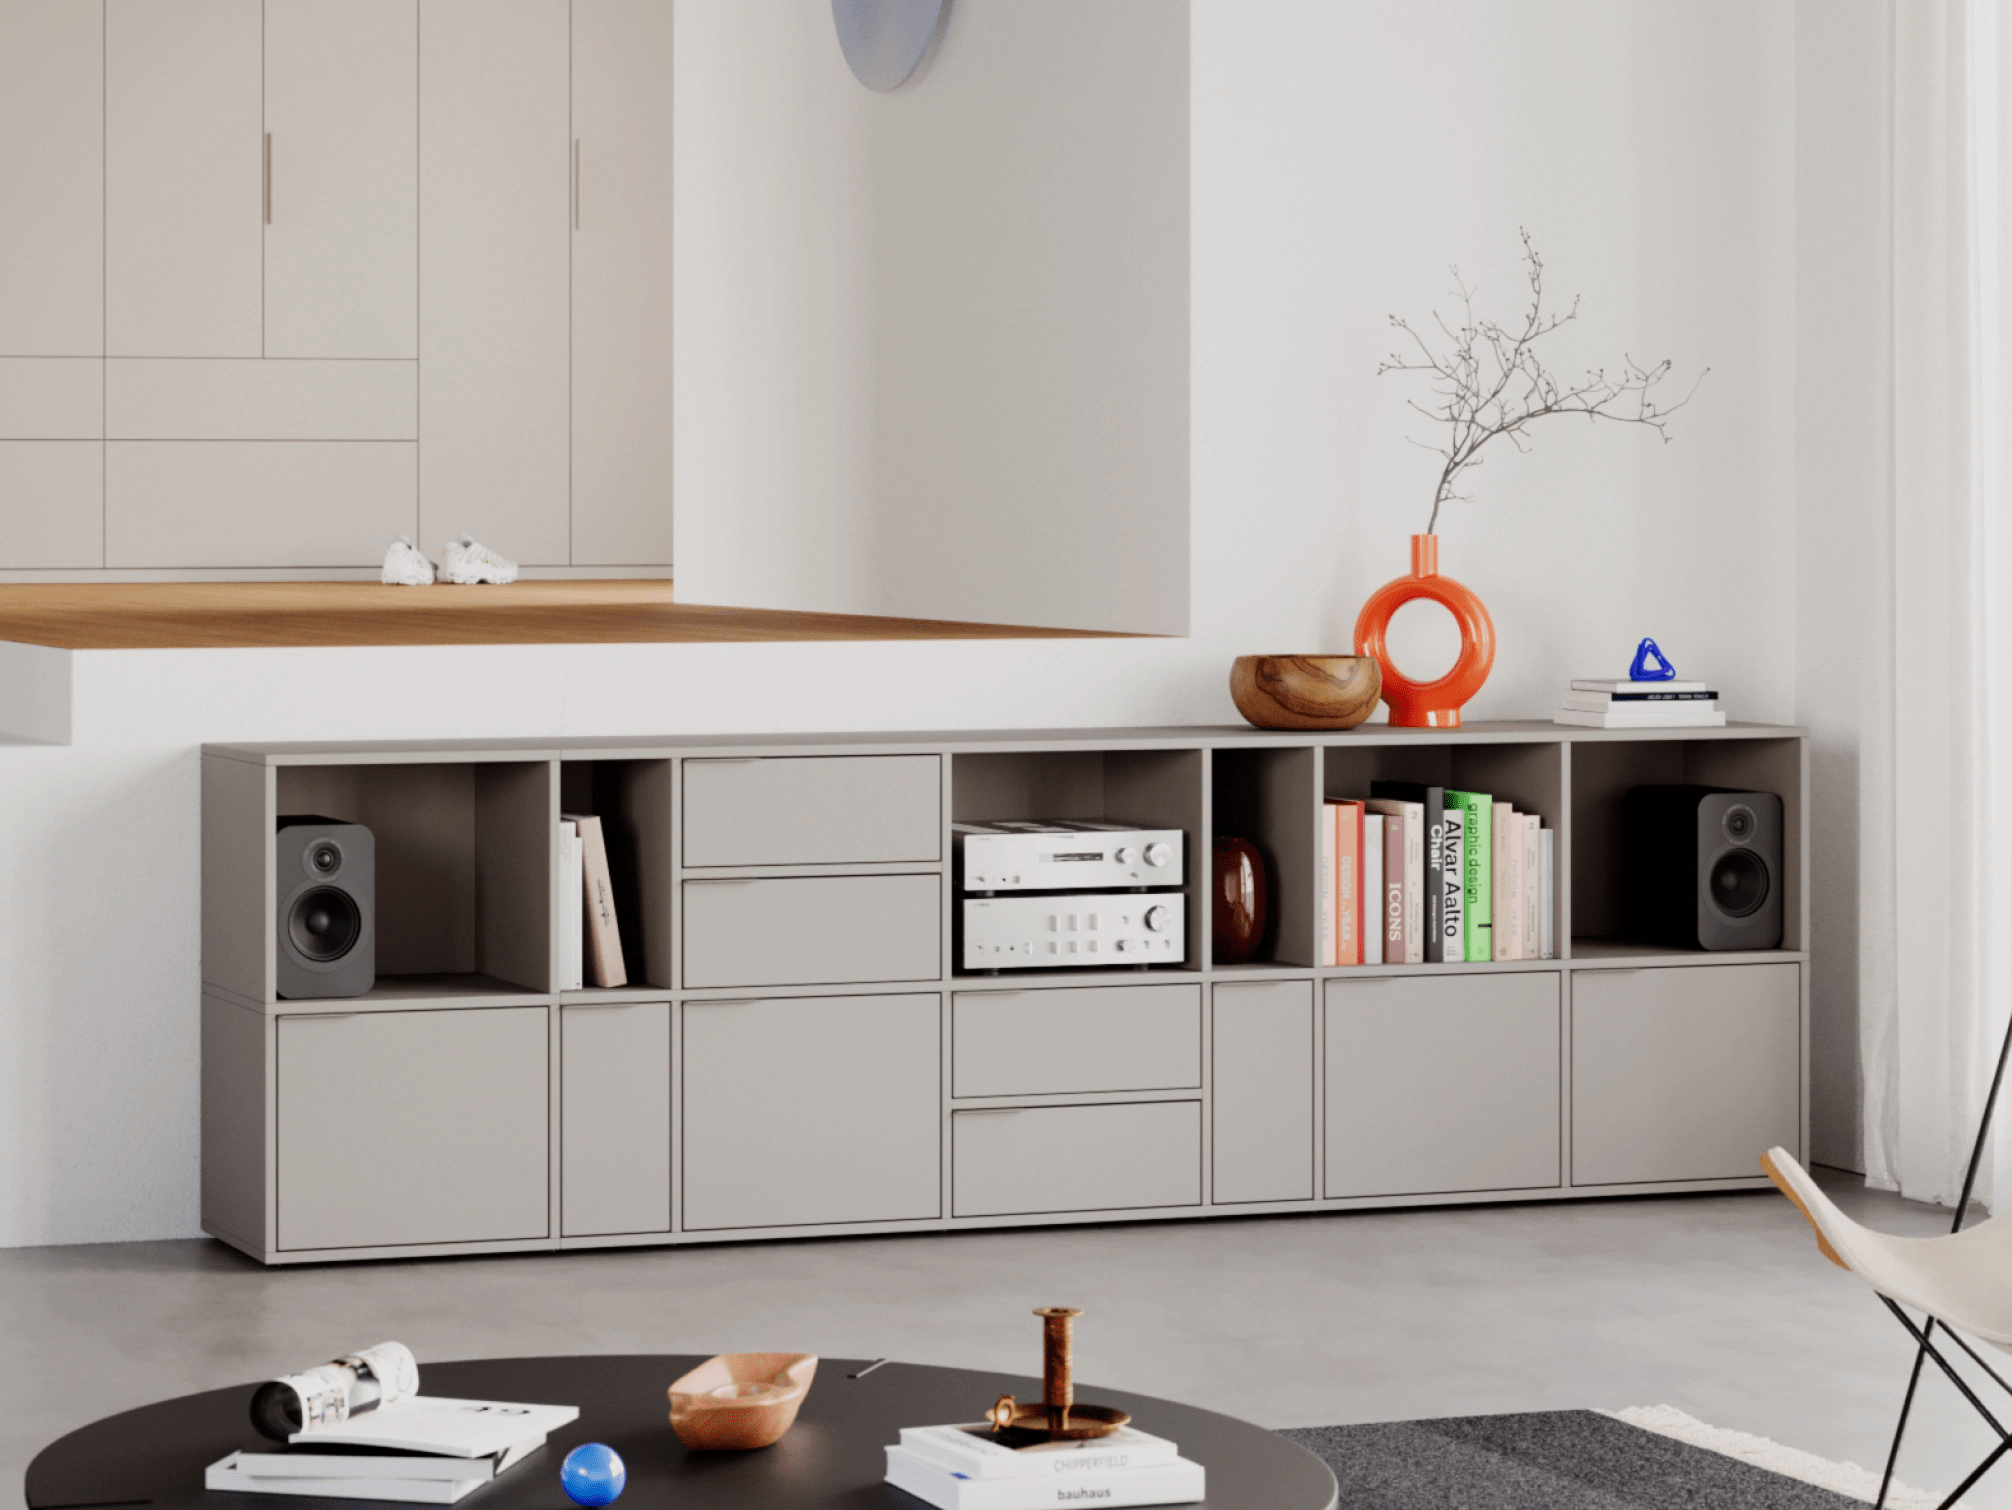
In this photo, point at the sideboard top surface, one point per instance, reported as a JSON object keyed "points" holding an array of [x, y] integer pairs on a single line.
{"points": [[1188, 737]]}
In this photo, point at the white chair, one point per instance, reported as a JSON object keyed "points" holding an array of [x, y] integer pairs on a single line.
{"points": [[1962, 1282]]}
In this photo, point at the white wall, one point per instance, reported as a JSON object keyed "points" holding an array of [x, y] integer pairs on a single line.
{"points": [[1342, 155], [933, 344]]}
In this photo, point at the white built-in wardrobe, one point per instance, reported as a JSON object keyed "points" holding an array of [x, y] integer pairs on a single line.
{"points": [[283, 279]]}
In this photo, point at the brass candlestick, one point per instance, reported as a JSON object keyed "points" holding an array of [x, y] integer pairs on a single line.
{"points": [[1058, 1417]]}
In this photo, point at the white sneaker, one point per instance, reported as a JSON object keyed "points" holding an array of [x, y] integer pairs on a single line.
{"points": [[468, 560], [405, 565]]}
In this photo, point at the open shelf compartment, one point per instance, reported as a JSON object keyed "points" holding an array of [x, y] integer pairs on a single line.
{"points": [[632, 798]]}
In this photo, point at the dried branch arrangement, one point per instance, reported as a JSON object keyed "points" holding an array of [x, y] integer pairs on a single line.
{"points": [[1491, 383]]}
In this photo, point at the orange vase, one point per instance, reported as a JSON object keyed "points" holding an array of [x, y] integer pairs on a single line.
{"points": [[1428, 705]]}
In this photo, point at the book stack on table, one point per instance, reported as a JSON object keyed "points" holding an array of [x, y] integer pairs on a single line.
{"points": [[420, 1451], [1640, 705], [968, 1468]]}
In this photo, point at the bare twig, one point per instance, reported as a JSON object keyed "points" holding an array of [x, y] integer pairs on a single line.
{"points": [[1490, 382]]}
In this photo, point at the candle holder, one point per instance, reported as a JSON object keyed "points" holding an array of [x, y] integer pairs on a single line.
{"points": [[1058, 1418]]}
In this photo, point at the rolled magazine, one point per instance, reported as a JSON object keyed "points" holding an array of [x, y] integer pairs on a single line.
{"points": [[331, 1394]]}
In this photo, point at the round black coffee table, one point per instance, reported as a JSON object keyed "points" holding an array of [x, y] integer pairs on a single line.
{"points": [[155, 1456]]}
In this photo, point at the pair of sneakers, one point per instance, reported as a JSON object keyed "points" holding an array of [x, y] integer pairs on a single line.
{"points": [[463, 561]]}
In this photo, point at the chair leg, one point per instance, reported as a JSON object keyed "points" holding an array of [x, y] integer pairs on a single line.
{"points": [[1900, 1427], [1975, 1474]]}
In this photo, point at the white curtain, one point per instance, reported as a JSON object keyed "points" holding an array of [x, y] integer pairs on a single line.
{"points": [[1935, 984]]}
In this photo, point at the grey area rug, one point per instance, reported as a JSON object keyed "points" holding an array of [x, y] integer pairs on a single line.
{"points": [[1545, 1460]]}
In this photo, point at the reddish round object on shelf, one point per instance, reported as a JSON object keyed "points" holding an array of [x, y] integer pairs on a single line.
{"points": [[1241, 903], [1435, 704]]}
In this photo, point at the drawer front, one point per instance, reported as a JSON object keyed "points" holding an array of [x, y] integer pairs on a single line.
{"points": [[1097, 1038], [813, 930], [1442, 1084], [1684, 1073], [1030, 1160], [814, 810], [453, 1101]]}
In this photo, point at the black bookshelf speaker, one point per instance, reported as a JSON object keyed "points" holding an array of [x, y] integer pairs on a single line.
{"points": [[1701, 867], [326, 882]]}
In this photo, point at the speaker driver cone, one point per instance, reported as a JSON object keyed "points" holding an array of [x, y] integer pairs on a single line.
{"points": [[1739, 883], [324, 923]]}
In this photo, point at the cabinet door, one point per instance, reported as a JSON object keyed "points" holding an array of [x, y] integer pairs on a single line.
{"points": [[342, 222], [1684, 1073], [811, 1110], [615, 1119], [52, 178], [413, 1127], [621, 283], [1261, 1053], [1442, 1084], [184, 175], [493, 249]]}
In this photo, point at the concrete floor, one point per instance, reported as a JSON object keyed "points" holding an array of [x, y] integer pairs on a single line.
{"points": [[1718, 1305]]}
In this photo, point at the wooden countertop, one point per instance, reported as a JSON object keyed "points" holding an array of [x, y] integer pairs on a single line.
{"points": [[230, 615]]}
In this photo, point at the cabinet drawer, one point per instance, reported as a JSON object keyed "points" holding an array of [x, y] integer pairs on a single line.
{"points": [[1027, 1160], [453, 1101], [1442, 1084], [1684, 1073], [816, 810], [1097, 1038], [813, 930]]}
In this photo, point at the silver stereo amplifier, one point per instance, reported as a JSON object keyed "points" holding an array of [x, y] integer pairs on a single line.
{"points": [[1065, 856], [1075, 932]]}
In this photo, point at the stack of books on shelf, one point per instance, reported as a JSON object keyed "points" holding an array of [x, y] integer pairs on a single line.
{"points": [[968, 1468], [420, 1451], [1640, 705], [1424, 875], [590, 938]]}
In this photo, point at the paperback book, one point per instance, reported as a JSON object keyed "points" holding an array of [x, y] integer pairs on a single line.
{"points": [[1176, 1482], [973, 1450]]}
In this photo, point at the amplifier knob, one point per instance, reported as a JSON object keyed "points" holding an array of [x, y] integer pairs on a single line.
{"points": [[1159, 854], [1123, 854], [1156, 918]]}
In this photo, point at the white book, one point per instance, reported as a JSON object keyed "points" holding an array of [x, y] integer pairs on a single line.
{"points": [[379, 1465], [973, 1451], [1324, 913], [1533, 881], [1453, 883], [1628, 686], [1547, 874], [572, 908], [451, 1428], [1599, 702], [1410, 816], [1180, 1482], [1678, 716], [1506, 857], [228, 1478], [1372, 889]]}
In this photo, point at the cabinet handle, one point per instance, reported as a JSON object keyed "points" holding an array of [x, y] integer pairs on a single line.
{"points": [[602, 1006], [268, 178], [319, 1016], [576, 183], [743, 1001], [993, 1111], [726, 880]]}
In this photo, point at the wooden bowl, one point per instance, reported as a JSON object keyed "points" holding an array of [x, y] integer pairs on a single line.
{"points": [[1306, 691], [740, 1400]]}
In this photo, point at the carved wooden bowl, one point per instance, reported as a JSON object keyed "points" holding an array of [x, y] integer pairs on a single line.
{"points": [[1306, 691], [740, 1400]]}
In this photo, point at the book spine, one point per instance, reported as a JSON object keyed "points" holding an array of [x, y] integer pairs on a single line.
{"points": [[1477, 861], [572, 907], [1176, 1483], [1508, 868], [603, 934], [1371, 932], [1397, 877], [1547, 923], [959, 1452], [1414, 884], [1452, 885], [1533, 881], [1324, 911], [1435, 875], [1348, 884]]}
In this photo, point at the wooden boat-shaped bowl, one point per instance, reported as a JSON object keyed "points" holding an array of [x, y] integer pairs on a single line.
{"points": [[740, 1400]]}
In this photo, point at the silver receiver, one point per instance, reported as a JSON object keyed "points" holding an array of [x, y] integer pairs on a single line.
{"points": [[1075, 932], [1065, 856]]}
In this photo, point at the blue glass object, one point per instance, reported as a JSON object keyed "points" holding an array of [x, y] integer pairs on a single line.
{"points": [[1650, 664], [593, 1475]]}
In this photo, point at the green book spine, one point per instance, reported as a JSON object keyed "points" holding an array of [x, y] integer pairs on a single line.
{"points": [[1478, 820]]}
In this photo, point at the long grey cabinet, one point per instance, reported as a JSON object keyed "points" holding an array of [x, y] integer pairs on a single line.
{"points": [[798, 1052]]}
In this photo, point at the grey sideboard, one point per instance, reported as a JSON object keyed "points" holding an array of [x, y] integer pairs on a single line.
{"points": [[799, 1053]]}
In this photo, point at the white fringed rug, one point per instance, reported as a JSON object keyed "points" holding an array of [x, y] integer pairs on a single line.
{"points": [[1844, 1478]]}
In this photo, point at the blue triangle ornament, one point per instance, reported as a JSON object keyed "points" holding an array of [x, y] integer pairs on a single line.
{"points": [[1650, 664]]}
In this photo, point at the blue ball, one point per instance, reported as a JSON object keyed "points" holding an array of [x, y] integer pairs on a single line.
{"points": [[593, 1475]]}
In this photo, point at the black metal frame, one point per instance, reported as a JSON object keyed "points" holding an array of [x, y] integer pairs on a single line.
{"points": [[1924, 1335]]}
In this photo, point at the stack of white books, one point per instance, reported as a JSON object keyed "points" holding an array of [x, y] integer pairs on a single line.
{"points": [[1640, 705], [967, 1468], [420, 1451]]}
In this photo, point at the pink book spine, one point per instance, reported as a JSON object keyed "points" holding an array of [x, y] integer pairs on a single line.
{"points": [[1348, 883], [1396, 876]]}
